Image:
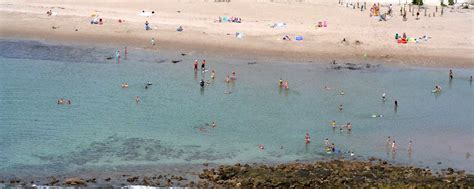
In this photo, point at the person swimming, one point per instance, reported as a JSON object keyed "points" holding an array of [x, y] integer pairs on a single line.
{"points": [[137, 99], [233, 77], [146, 86], [202, 83], [213, 124], [342, 93], [124, 85], [61, 101], [349, 126], [261, 146]]}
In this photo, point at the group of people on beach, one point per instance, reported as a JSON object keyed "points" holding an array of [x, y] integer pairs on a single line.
{"points": [[62, 101], [390, 144]]}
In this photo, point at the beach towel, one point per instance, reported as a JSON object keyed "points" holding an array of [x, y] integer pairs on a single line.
{"points": [[145, 14], [299, 38], [278, 25]]}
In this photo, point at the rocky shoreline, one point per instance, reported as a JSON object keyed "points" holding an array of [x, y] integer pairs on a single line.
{"points": [[358, 173]]}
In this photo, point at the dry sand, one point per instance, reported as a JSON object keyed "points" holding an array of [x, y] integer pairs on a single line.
{"points": [[451, 43]]}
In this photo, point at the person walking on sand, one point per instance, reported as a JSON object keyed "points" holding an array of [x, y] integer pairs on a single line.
{"points": [[153, 41]]}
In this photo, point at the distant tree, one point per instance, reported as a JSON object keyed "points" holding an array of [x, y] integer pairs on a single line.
{"points": [[450, 2]]}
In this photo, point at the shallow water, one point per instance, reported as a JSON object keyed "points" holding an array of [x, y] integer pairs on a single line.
{"points": [[105, 127]]}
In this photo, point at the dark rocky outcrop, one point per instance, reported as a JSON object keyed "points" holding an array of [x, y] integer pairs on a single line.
{"points": [[333, 173]]}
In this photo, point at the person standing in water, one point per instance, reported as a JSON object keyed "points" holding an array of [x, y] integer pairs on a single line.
{"points": [[202, 83], [203, 65], [227, 79], [396, 104], [333, 124], [389, 140], [340, 107], [410, 146], [394, 146], [451, 75], [383, 97], [195, 65], [213, 74], [280, 82], [326, 142], [307, 138], [126, 51]]}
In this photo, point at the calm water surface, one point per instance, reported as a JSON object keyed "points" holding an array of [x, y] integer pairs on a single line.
{"points": [[105, 127]]}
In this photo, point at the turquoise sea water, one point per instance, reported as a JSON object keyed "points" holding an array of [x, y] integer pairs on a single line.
{"points": [[105, 127]]}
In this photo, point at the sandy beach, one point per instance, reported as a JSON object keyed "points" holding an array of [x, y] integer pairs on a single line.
{"points": [[450, 43]]}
